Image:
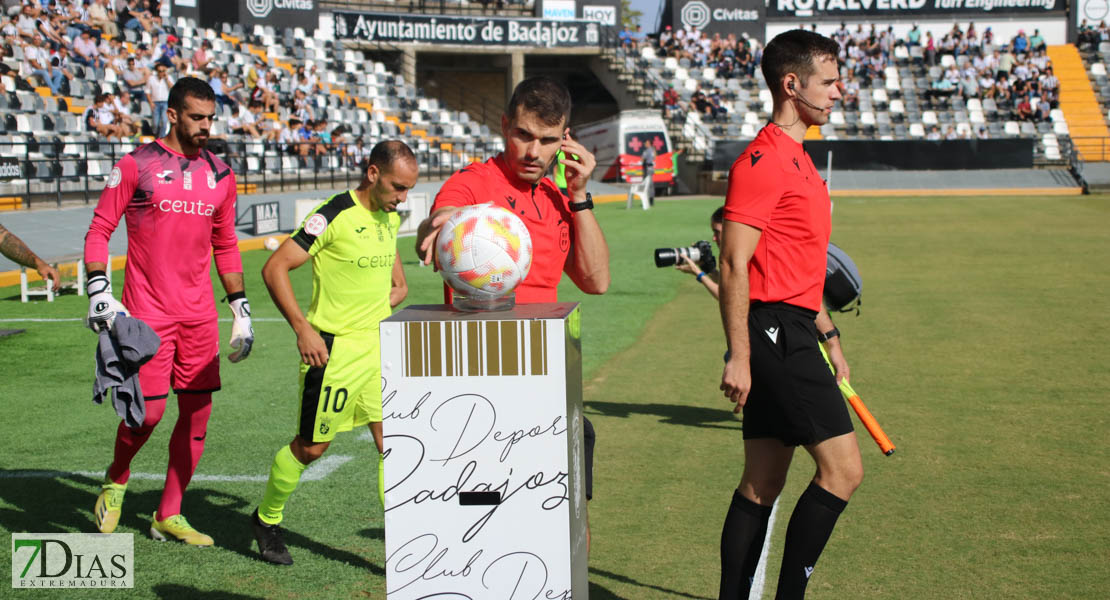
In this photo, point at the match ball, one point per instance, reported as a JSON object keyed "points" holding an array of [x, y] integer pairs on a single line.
{"points": [[484, 251], [271, 243]]}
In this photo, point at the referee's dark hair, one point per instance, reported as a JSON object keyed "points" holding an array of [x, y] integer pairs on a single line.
{"points": [[796, 51], [189, 86], [542, 96], [384, 154]]}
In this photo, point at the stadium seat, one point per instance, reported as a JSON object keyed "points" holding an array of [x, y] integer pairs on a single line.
{"points": [[1052, 152], [1098, 69], [1060, 127], [929, 118]]}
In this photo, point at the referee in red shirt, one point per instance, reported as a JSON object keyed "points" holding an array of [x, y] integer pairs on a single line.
{"points": [[776, 231]]}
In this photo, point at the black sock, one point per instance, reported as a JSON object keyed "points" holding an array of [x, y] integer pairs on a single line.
{"points": [[809, 529], [741, 543]]}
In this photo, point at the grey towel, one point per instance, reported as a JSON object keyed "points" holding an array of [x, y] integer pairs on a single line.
{"points": [[119, 354]]}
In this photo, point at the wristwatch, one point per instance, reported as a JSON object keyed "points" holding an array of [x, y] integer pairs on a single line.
{"points": [[828, 335], [581, 206]]}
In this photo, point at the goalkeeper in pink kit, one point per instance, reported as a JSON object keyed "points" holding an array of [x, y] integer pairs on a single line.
{"points": [[179, 201]]}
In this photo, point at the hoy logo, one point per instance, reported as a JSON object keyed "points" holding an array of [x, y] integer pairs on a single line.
{"points": [[73, 560]]}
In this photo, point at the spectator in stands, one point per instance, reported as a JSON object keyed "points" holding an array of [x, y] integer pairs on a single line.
{"points": [[135, 77], [26, 23], [99, 120], [1020, 43], [324, 137], [670, 102], [930, 49], [983, 134], [717, 109], [251, 122], [289, 138], [63, 60], [950, 133], [217, 82], [169, 54], [86, 52], [120, 105], [48, 25], [37, 59], [103, 18], [301, 106], [306, 142], [356, 153], [1044, 110], [254, 73], [1024, 109], [934, 133], [131, 15], [265, 91], [1036, 41], [158, 95], [201, 58], [913, 37], [850, 99]]}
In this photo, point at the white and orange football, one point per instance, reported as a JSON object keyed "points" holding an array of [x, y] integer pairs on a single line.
{"points": [[483, 251]]}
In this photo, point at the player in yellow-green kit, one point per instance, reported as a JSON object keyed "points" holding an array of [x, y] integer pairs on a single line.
{"points": [[356, 281]]}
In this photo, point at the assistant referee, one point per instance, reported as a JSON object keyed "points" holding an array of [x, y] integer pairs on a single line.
{"points": [[776, 231]]}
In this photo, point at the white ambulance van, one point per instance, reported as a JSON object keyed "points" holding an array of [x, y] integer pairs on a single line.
{"points": [[618, 143]]}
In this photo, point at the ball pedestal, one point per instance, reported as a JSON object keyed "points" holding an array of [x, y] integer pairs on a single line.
{"points": [[467, 303], [484, 456]]}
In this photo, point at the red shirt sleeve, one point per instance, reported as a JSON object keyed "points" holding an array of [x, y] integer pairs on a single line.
{"points": [[225, 242], [456, 191], [117, 194], [755, 187]]}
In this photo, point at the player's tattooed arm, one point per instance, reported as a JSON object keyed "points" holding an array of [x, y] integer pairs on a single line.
{"points": [[15, 250]]}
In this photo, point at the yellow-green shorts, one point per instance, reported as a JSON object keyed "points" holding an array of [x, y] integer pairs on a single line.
{"points": [[345, 393]]}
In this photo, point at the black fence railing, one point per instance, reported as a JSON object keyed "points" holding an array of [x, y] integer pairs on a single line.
{"points": [[57, 172]]}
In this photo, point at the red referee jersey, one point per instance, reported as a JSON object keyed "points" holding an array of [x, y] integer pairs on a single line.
{"points": [[774, 187], [543, 208]]}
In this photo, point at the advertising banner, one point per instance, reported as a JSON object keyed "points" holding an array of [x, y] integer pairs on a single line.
{"points": [[484, 466], [280, 13], [847, 9], [467, 31], [559, 10], [720, 16]]}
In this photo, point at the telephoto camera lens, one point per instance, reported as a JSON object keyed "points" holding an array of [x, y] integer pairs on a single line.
{"points": [[668, 257]]}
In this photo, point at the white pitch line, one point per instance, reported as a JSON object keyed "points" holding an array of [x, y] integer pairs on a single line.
{"points": [[315, 472], [70, 320], [761, 569]]}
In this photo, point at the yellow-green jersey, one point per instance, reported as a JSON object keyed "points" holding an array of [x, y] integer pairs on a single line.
{"points": [[353, 250]]}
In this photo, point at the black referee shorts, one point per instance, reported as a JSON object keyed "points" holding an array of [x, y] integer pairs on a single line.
{"points": [[794, 397]]}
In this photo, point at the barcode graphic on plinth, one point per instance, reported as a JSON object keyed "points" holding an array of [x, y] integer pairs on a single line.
{"points": [[474, 349]]}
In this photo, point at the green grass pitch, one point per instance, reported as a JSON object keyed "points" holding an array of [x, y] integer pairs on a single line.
{"points": [[977, 350]]}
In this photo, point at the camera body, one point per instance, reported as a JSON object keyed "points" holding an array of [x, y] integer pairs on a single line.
{"points": [[701, 252]]}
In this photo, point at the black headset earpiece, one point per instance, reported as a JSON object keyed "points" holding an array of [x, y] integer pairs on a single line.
{"points": [[790, 85]]}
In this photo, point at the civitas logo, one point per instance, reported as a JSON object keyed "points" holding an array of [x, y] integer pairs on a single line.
{"points": [[695, 14], [261, 9], [73, 560]]}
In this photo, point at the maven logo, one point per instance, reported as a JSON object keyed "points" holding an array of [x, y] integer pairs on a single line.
{"points": [[73, 560]]}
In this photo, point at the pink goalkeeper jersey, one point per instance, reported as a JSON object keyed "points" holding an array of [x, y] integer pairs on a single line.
{"points": [[180, 211]]}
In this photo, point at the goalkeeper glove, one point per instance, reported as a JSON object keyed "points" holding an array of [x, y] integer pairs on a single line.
{"points": [[103, 307], [242, 334]]}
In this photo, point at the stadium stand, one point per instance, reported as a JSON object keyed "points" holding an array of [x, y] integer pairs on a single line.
{"points": [[46, 127], [894, 89]]}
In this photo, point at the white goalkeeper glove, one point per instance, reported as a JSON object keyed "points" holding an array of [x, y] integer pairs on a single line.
{"points": [[103, 307], [242, 334]]}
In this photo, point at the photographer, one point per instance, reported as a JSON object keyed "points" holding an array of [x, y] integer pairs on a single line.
{"points": [[710, 278]]}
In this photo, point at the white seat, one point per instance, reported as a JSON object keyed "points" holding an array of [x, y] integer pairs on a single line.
{"points": [[867, 117], [1052, 152], [929, 117], [765, 96], [1011, 128], [947, 60], [917, 130], [1060, 127], [752, 118], [974, 104], [977, 117], [897, 106], [1049, 139], [1098, 69], [836, 118]]}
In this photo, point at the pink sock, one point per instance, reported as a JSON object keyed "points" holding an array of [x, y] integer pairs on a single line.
{"points": [[129, 441], [186, 446]]}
